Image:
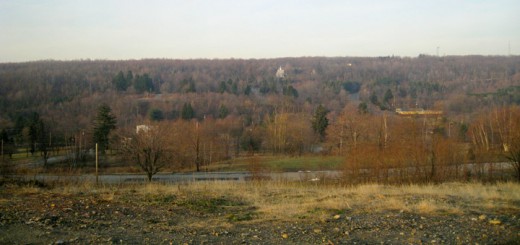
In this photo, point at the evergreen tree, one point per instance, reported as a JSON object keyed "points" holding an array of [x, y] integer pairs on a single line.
{"points": [[290, 91], [8, 147], [104, 123], [120, 82], [39, 136], [320, 121], [191, 87], [4, 136], [33, 131], [44, 141], [187, 112], [363, 108], [234, 88], [264, 87], [388, 96], [223, 111], [187, 86], [156, 115], [352, 87], [222, 88], [129, 77], [373, 98], [143, 83], [247, 90]]}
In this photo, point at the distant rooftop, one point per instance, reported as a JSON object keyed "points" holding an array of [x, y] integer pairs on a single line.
{"points": [[418, 112], [280, 73]]}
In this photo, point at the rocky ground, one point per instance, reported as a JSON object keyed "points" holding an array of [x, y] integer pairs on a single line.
{"points": [[39, 216]]}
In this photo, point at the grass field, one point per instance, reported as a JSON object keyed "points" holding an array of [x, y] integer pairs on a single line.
{"points": [[265, 212], [24, 157], [282, 163], [272, 163], [294, 200], [291, 200]]}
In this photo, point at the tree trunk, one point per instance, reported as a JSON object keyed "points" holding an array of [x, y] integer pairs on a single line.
{"points": [[518, 171], [432, 173]]}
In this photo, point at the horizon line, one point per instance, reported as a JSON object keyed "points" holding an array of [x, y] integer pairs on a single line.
{"points": [[251, 58]]}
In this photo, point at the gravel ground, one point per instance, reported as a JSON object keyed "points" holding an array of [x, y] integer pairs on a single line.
{"points": [[42, 217]]}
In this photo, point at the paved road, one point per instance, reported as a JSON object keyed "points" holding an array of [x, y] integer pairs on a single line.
{"points": [[231, 176], [190, 177]]}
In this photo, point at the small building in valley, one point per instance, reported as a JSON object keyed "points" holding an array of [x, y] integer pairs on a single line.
{"points": [[418, 112]]}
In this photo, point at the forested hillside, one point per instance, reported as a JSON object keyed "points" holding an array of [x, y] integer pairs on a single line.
{"points": [[247, 103], [71, 90]]}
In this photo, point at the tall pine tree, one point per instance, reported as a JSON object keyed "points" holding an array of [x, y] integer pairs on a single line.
{"points": [[103, 124], [187, 112], [320, 121]]}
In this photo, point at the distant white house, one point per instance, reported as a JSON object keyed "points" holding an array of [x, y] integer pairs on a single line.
{"points": [[280, 73], [141, 128], [418, 112]]}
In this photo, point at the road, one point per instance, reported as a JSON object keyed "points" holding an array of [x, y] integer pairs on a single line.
{"points": [[232, 176], [188, 177]]}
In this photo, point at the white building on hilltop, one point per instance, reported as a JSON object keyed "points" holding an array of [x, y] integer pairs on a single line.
{"points": [[280, 73]]}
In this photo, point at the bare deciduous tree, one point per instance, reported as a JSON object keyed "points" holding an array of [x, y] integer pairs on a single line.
{"points": [[505, 129], [497, 132], [151, 148]]}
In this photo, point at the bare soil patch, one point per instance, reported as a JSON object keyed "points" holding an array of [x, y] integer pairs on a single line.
{"points": [[258, 213]]}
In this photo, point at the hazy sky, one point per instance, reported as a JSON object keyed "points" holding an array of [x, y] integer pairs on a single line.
{"points": [[105, 29]]}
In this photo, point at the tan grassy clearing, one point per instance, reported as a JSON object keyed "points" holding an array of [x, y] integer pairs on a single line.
{"points": [[290, 200], [287, 201]]}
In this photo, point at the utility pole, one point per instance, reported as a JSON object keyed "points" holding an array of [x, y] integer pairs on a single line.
{"points": [[449, 130], [79, 151], [385, 129], [197, 157], [97, 160]]}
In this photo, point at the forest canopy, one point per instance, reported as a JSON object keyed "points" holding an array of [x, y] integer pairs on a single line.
{"points": [[285, 105]]}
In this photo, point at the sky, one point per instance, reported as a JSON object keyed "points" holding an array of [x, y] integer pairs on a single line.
{"points": [[190, 29]]}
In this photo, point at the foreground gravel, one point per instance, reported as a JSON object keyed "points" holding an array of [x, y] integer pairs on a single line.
{"points": [[43, 217]]}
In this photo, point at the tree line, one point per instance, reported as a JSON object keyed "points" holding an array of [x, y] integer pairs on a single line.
{"points": [[381, 147], [56, 87], [241, 105]]}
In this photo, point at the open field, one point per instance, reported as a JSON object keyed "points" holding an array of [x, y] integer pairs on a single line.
{"points": [[282, 163], [113, 165], [259, 213]]}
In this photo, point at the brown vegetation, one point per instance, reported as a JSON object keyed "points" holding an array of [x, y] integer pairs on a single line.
{"points": [[497, 131], [259, 212], [217, 110]]}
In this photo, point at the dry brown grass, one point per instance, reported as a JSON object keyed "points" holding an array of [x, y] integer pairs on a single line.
{"points": [[287, 201], [282, 200]]}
